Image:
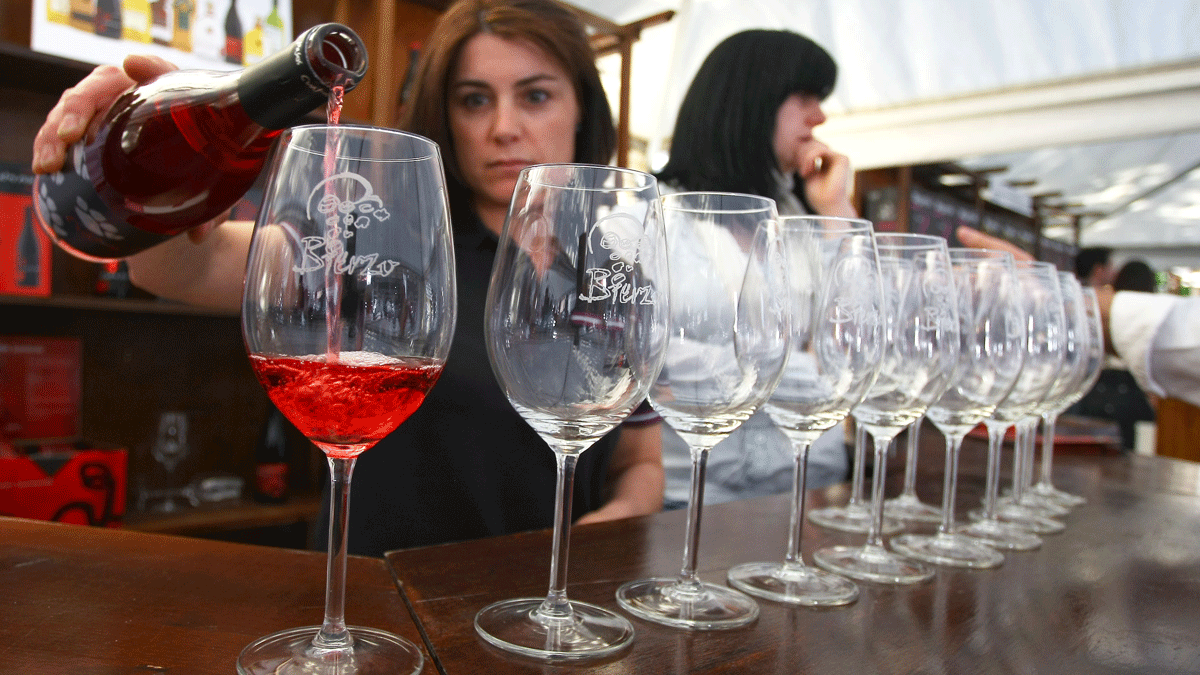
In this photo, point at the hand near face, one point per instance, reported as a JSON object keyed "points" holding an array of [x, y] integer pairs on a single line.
{"points": [[826, 177]]}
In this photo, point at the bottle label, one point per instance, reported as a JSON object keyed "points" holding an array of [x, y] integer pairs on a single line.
{"points": [[271, 479], [74, 215]]}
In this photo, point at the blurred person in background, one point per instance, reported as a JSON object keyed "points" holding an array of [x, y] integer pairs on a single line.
{"points": [[746, 125]]}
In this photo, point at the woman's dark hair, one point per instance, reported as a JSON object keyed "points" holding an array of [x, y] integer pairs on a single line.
{"points": [[723, 138], [1136, 275], [545, 24]]}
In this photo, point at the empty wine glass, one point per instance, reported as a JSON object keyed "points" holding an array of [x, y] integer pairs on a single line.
{"points": [[729, 335], [989, 360], [1043, 320], [1092, 362], [833, 273], [348, 312], [907, 505], [576, 320], [855, 515], [921, 343]]}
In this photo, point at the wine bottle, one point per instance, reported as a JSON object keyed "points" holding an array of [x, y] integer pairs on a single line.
{"points": [[252, 45], [107, 20], [135, 21], [181, 149], [270, 460], [181, 29], [160, 22], [233, 34], [273, 39]]}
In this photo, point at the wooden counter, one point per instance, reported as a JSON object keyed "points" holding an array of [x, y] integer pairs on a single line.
{"points": [[1115, 593], [79, 600]]}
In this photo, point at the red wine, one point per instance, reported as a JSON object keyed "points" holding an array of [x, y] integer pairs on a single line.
{"points": [[346, 407], [181, 149]]}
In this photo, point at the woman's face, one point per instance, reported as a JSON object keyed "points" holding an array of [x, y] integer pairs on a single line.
{"points": [[794, 123], [510, 105]]}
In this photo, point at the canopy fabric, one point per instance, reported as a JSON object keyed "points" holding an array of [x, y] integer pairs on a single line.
{"points": [[1097, 99]]}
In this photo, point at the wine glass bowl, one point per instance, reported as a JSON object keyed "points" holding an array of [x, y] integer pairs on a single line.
{"points": [[833, 277], [347, 314], [729, 336], [991, 351], [575, 322], [921, 347]]}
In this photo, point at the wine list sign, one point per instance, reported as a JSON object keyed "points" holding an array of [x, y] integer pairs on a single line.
{"points": [[208, 34]]}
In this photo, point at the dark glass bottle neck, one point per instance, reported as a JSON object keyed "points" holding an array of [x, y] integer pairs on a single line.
{"points": [[282, 88]]}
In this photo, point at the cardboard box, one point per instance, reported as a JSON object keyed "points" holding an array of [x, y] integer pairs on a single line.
{"points": [[25, 250], [67, 483]]}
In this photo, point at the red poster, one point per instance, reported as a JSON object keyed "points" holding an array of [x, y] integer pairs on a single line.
{"points": [[25, 250], [39, 388]]}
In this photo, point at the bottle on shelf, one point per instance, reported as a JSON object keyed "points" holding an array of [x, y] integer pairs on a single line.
{"points": [[58, 11], [135, 21], [201, 140], [273, 31], [271, 460], [107, 20], [181, 27], [233, 35], [160, 22], [252, 45], [113, 279]]}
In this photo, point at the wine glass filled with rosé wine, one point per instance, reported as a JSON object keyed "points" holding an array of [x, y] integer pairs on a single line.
{"points": [[348, 313]]}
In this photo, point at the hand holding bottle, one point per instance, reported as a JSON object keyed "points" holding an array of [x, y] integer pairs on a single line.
{"points": [[70, 117]]}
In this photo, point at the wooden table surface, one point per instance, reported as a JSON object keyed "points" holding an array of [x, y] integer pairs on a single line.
{"points": [[1117, 592], [80, 600]]}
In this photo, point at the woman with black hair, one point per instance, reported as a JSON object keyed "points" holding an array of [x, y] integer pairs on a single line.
{"points": [[746, 125]]}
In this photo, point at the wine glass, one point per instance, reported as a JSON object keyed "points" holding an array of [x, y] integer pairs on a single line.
{"points": [[1043, 320], [833, 273], [729, 340], [348, 313], [921, 338], [907, 505], [576, 332], [855, 515], [1092, 362], [990, 354]]}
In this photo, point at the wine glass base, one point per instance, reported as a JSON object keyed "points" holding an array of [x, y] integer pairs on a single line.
{"points": [[291, 652], [872, 563], [1056, 496], [853, 519], [519, 626], [1039, 506], [793, 584], [1001, 535], [1022, 518], [954, 550], [698, 606], [909, 507]]}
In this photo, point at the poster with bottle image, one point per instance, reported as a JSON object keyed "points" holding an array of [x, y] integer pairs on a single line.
{"points": [[25, 250], [210, 34]]}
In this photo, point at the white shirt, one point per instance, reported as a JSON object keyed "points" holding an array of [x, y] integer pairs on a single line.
{"points": [[1158, 336]]}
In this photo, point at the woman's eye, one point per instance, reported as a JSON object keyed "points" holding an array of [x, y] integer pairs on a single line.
{"points": [[474, 100], [537, 96]]}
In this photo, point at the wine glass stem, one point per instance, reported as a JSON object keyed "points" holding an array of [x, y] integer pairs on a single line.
{"points": [[910, 459], [875, 531], [799, 479], [1018, 469], [1026, 431], [950, 483], [333, 633], [556, 605], [1049, 420], [860, 468], [992, 488], [691, 545]]}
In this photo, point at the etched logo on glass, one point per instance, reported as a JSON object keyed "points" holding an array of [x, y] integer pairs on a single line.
{"points": [[624, 238], [345, 203]]}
